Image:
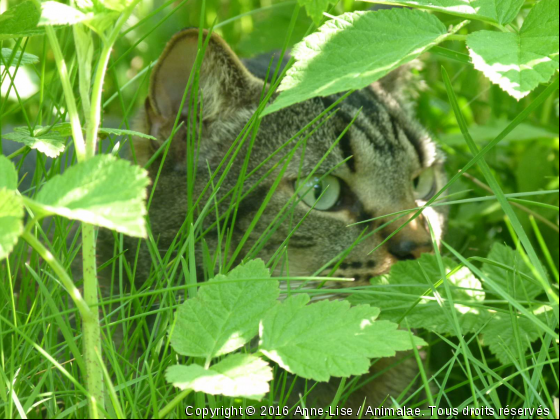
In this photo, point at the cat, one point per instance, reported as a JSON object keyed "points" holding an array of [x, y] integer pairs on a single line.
{"points": [[383, 163]]}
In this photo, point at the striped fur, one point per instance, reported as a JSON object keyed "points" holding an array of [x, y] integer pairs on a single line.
{"points": [[385, 150]]}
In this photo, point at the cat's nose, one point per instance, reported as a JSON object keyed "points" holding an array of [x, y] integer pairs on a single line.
{"points": [[405, 249]]}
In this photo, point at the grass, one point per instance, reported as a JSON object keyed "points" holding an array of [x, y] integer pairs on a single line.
{"points": [[41, 374]]}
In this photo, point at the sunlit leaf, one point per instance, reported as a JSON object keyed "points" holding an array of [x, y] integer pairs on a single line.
{"points": [[49, 141], [495, 11], [102, 21], [20, 21], [519, 62], [354, 50], [11, 220], [8, 174], [238, 375], [328, 338], [55, 13], [225, 313], [102, 191], [118, 5], [398, 292]]}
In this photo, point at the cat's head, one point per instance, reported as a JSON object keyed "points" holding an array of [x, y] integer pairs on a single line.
{"points": [[382, 164]]}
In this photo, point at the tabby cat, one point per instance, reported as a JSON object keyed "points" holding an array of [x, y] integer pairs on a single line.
{"points": [[381, 164]]}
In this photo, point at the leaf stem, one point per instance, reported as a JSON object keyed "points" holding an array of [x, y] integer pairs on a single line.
{"points": [[68, 94], [91, 328], [462, 38]]}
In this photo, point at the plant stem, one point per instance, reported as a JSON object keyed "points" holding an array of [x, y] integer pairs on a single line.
{"points": [[59, 270], [462, 38], [97, 90], [18, 152], [96, 94], [68, 94], [91, 329]]}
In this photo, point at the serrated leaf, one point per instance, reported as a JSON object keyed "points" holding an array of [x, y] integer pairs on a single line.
{"points": [[397, 292], [8, 174], [11, 221], [513, 283], [47, 140], [18, 57], [225, 315], [102, 191], [316, 8], [55, 13], [119, 132], [494, 11], [238, 375], [19, 21], [354, 50], [328, 338], [500, 335], [519, 62]]}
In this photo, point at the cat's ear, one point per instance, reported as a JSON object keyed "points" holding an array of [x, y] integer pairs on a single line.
{"points": [[225, 85]]}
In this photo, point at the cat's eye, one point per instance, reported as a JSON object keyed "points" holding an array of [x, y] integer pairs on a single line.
{"points": [[322, 194], [425, 185]]}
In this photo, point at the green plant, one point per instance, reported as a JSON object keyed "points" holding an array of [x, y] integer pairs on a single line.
{"points": [[229, 310], [515, 59], [487, 311], [86, 192]]}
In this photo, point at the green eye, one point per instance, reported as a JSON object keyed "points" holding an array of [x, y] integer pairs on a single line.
{"points": [[425, 185], [323, 194]]}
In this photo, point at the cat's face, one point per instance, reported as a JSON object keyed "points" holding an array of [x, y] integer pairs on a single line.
{"points": [[365, 161]]}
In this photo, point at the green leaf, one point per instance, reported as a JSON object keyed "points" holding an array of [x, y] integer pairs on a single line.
{"points": [[225, 313], [18, 58], [238, 375], [19, 21], [102, 21], [102, 191], [519, 62], [11, 220], [513, 283], [328, 338], [119, 132], [494, 11], [354, 50], [55, 13], [500, 334], [118, 5], [49, 141], [8, 174], [486, 133], [315, 8], [397, 292]]}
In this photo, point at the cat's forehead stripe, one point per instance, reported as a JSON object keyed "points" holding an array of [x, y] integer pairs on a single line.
{"points": [[379, 123]]}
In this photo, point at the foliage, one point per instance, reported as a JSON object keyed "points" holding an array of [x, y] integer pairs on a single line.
{"points": [[314, 341], [481, 307], [383, 40]]}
